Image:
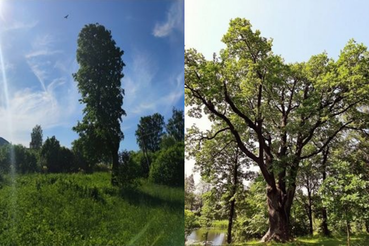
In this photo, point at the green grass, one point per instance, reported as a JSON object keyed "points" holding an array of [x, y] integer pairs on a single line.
{"points": [[84, 209], [356, 240], [220, 224]]}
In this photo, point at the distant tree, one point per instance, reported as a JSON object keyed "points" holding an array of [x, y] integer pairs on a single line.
{"points": [[222, 164], [66, 160], [50, 154], [36, 138], [99, 82], [149, 133], [24, 160], [189, 192], [175, 126]]}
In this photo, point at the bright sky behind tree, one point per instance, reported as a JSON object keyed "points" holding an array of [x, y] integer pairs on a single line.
{"points": [[299, 29], [39, 57]]}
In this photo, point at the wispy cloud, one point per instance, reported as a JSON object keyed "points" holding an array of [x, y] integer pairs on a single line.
{"points": [[42, 46], [174, 21], [147, 94], [17, 25], [30, 107]]}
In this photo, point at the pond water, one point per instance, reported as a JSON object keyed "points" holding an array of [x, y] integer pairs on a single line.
{"points": [[207, 237]]}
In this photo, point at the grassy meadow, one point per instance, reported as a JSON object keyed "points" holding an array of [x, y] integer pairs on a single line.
{"points": [[84, 209]]}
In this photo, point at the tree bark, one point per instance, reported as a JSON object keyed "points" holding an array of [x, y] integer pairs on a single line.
{"points": [[278, 210], [230, 222], [348, 232], [326, 231], [324, 224], [114, 174], [310, 211]]}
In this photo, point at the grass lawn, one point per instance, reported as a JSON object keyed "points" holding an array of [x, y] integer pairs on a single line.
{"points": [[358, 240], [84, 209]]}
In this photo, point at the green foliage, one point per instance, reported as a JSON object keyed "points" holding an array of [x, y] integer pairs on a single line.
{"points": [[128, 171], [345, 194], [50, 155], [58, 159], [189, 190], [252, 221], [175, 126], [99, 82], [168, 167], [24, 160], [149, 132], [191, 222], [80, 209], [36, 138]]}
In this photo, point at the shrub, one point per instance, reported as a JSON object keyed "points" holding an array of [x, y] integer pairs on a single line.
{"points": [[128, 170], [190, 222], [168, 167]]}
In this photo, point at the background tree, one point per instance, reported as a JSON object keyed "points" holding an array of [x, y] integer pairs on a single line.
{"points": [[175, 126], [99, 82], [189, 192], [149, 133], [36, 138], [50, 155], [274, 110], [223, 165]]}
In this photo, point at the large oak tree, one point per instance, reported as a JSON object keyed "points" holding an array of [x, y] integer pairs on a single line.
{"points": [[274, 110]]}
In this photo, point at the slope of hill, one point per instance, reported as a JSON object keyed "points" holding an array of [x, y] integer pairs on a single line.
{"points": [[3, 141]]}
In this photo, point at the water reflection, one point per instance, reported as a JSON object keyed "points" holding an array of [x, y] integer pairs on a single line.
{"points": [[207, 237]]}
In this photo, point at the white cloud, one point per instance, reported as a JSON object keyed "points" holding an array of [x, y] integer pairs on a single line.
{"points": [[17, 25], [174, 21], [144, 94], [29, 107]]}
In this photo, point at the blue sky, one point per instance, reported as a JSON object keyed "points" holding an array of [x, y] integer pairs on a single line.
{"points": [[299, 29], [39, 56]]}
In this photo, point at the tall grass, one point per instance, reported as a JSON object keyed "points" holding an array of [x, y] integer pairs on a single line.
{"points": [[84, 209]]}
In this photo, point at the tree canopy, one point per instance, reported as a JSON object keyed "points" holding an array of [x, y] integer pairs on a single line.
{"points": [[279, 114], [36, 138]]}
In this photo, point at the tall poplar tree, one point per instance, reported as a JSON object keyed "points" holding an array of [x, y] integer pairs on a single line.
{"points": [[99, 82]]}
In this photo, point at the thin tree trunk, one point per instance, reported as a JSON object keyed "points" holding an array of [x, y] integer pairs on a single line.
{"points": [[324, 224], [114, 175], [326, 231], [348, 232], [230, 222], [311, 230], [233, 202]]}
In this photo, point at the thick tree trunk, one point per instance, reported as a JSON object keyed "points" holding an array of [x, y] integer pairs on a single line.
{"points": [[278, 210], [367, 226]]}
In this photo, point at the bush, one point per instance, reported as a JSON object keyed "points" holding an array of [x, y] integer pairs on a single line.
{"points": [[168, 167], [128, 170], [190, 222]]}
